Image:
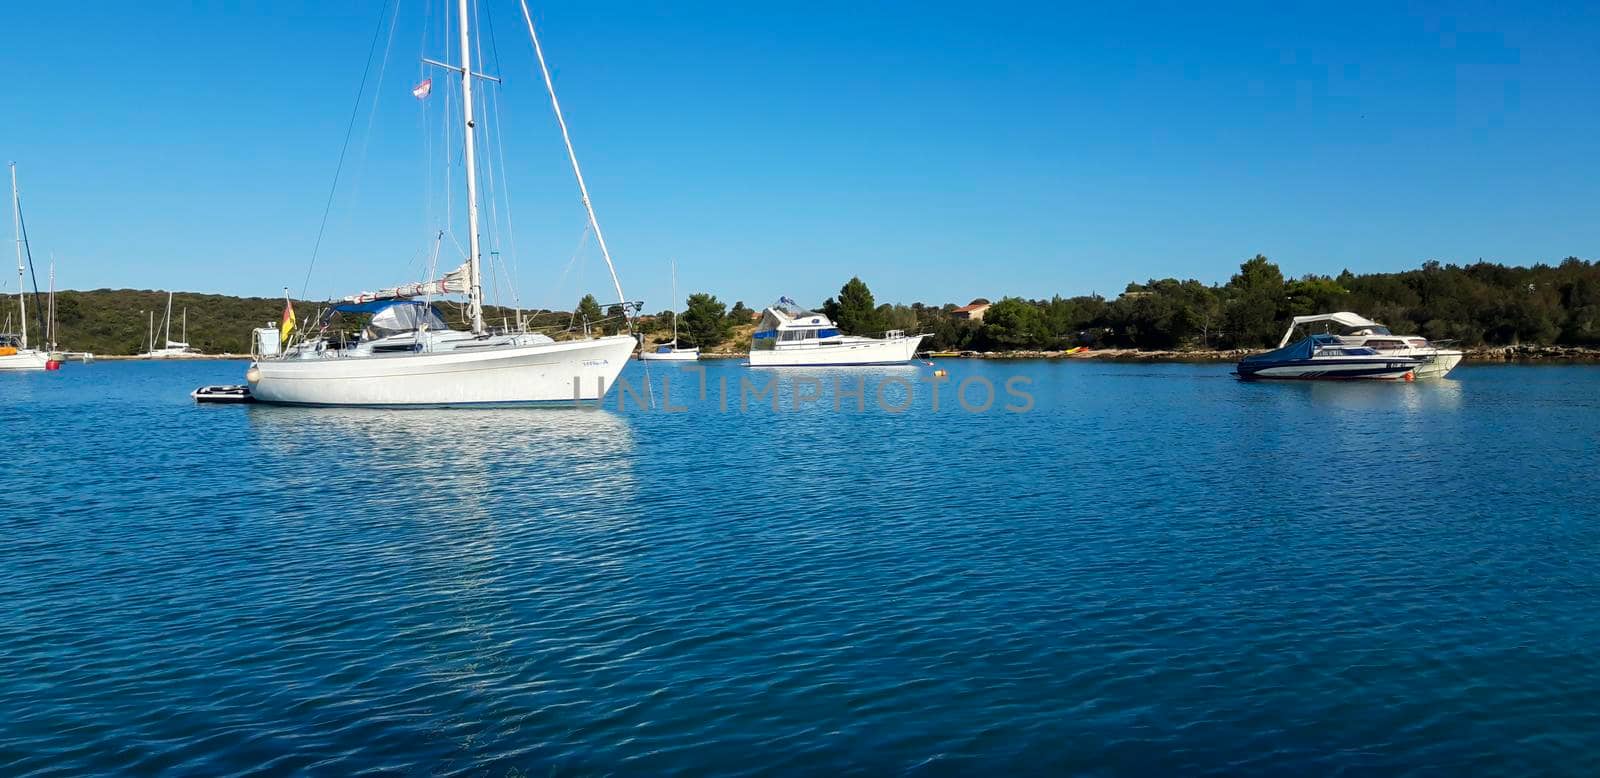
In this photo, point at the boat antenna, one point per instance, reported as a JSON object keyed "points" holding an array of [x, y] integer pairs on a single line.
{"points": [[577, 172]]}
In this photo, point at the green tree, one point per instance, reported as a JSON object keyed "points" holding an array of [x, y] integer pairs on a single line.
{"points": [[1315, 294], [588, 313], [1255, 296], [739, 314], [897, 317], [704, 322], [854, 310], [616, 319], [1015, 323]]}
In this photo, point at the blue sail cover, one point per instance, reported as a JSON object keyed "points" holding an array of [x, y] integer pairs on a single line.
{"points": [[397, 315], [374, 306], [1300, 349]]}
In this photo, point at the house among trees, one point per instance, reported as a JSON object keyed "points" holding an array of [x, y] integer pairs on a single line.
{"points": [[972, 311]]}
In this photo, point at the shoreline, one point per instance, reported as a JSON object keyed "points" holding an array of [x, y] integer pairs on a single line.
{"points": [[1485, 355], [1490, 355], [191, 358]]}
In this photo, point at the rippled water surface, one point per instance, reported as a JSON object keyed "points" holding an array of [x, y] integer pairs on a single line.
{"points": [[1157, 569]]}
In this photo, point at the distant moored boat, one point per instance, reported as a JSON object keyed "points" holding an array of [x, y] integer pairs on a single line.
{"points": [[789, 336], [14, 351]]}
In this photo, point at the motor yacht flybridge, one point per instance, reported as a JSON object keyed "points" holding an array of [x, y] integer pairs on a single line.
{"points": [[407, 354], [790, 336]]}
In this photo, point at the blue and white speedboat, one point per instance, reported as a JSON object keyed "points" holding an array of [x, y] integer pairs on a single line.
{"points": [[1326, 357]]}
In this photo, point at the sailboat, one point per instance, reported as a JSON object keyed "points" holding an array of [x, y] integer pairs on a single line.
{"points": [[407, 355], [173, 349], [14, 351], [672, 352]]}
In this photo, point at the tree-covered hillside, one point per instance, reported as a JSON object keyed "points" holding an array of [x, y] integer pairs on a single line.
{"points": [[117, 321], [1478, 304]]}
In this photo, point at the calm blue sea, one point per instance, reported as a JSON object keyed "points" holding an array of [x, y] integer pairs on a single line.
{"points": [[1155, 570]]}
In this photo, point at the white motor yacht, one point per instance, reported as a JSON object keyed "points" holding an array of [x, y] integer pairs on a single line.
{"points": [[792, 337], [1436, 362]]}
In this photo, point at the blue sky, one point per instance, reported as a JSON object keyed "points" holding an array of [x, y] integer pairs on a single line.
{"points": [[941, 151]]}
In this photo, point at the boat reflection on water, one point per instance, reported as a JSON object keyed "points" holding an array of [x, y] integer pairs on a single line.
{"points": [[1443, 394], [446, 459]]}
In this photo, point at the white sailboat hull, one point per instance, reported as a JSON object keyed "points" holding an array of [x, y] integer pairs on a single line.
{"points": [[858, 351], [28, 359], [501, 375], [681, 355]]}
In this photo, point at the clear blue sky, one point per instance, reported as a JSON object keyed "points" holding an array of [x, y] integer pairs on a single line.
{"points": [[940, 150]]}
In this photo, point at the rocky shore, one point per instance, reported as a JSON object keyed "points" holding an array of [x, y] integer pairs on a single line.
{"points": [[1481, 354], [1554, 354]]}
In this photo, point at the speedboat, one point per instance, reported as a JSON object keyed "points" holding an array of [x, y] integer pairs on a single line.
{"points": [[1326, 357], [791, 337], [1354, 330]]}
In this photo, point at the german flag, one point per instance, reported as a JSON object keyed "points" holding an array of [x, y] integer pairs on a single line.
{"points": [[288, 322]]}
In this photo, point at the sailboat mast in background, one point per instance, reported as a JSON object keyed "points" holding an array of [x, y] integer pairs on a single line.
{"points": [[16, 221]]}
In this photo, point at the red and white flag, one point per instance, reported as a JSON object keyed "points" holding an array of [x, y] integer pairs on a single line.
{"points": [[420, 91]]}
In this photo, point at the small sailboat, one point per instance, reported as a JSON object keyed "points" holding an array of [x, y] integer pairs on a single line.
{"points": [[15, 354], [173, 349], [407, 355], [672, 352]]}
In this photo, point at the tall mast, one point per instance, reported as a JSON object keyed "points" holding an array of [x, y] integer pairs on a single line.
{"points": [[674, 304], [16, 222], [572, 156], [50, 319], [167, 322], [474, 273]]}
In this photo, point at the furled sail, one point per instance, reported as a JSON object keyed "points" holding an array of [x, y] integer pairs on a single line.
{"points": [[454, 282]]}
